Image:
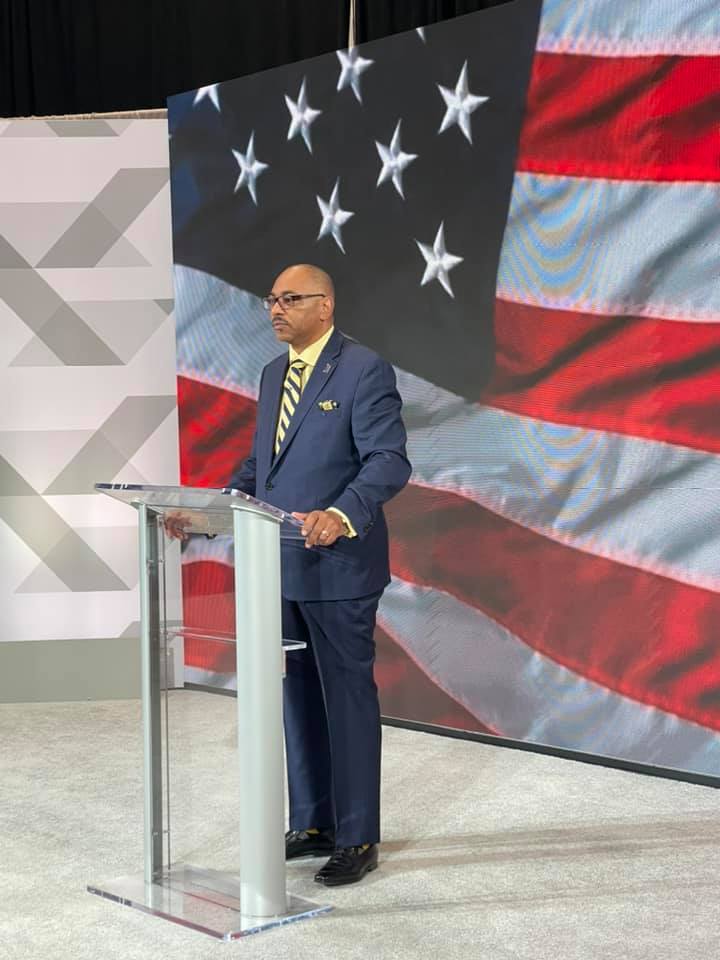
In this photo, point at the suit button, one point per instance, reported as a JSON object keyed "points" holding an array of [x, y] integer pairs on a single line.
{"points": [[268, 485]]}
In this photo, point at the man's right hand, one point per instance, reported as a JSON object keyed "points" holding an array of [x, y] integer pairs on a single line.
{"points": [[175, 525]]}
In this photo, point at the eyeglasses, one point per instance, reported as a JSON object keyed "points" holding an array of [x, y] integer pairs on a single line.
{"points": [[286, 300]]}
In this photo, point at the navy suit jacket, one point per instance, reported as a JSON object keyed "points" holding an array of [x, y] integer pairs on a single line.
{"points": [[351, 457]]}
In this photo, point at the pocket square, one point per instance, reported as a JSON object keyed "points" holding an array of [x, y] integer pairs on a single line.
{"points": [[327, 405]]}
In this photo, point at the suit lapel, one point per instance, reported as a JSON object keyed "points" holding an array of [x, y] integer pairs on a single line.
{"points": [[324, 369], [272, 388]]}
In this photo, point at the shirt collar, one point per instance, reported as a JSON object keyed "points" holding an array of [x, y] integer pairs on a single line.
{"points": [[310, 355]]}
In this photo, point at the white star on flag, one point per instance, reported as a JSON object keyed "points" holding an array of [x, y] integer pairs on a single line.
{"points": [[352, 66], [250, 168], [302, 116], [333, 217], [210, 92], [460, 104], [438, 261], [394, 161]]}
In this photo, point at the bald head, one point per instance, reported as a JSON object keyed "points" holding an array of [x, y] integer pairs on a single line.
{"points": [[310, 315], [308, 275]]}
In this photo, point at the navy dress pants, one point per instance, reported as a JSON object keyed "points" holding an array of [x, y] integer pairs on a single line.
{"points": [[332, 718]]}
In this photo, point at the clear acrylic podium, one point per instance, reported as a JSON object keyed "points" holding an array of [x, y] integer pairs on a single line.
{"points": [[253, 897]]}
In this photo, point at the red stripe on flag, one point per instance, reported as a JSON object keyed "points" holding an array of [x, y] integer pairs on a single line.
{"points": [[656, 379], [216, 428], [209, 607], [642, 635], [631, 118]]}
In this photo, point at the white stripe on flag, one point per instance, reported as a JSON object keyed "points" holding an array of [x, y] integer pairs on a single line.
{"points": [[605, 493], [210, 678], [202, 550], [613, 247], [217, 326], [626, 28]]}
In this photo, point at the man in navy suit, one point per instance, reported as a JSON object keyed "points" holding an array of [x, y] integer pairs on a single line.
{"points": [[329, 446]]}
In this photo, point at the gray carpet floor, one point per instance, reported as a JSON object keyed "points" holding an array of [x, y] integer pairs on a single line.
{"points": [[488, 852]]}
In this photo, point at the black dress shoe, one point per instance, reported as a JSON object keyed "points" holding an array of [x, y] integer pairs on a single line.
{"points": [[300, 843], [348, 866]]}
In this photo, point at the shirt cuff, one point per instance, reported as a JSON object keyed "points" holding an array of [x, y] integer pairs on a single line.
{"points": [[349, 529]]}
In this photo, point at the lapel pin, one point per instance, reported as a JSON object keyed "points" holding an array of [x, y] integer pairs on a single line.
{"points": [[327, 368], [327, 405]]}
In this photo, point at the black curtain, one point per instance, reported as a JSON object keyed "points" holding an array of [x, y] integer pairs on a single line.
{"points": [[96, 56], [380, 18], [85, 56]]}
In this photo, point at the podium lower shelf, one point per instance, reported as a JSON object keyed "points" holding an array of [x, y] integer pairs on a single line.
{"points": [[204, 900]]}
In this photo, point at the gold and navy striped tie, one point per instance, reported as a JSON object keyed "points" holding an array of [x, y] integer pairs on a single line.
{"points": [[292, 388]]}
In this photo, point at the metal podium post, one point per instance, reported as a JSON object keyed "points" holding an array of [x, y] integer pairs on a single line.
{"points": [[258, 628], [150, 692], [220, 903]]}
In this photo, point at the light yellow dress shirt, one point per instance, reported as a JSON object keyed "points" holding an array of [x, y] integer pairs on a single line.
{"points": [[310, 356]]}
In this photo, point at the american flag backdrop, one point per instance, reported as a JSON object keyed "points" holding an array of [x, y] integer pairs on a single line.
{"points": [[525, 220]]}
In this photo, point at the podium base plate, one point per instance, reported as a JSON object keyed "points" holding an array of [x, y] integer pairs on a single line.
{"points": [[204, 900]]}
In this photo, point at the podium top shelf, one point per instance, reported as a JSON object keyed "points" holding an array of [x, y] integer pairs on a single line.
{"points": [[209, 510]]}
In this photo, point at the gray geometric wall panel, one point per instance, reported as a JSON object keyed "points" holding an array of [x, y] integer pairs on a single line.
{"points": [[32, 228], [65, 128], [52, 319], [88, 394], [114, 443], [103, 222]]}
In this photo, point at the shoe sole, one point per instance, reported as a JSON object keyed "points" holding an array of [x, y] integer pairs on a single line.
{"points": [[344, 883]]}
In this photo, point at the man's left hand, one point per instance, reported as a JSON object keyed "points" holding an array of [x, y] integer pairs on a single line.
{"points": [[321, 528]]}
